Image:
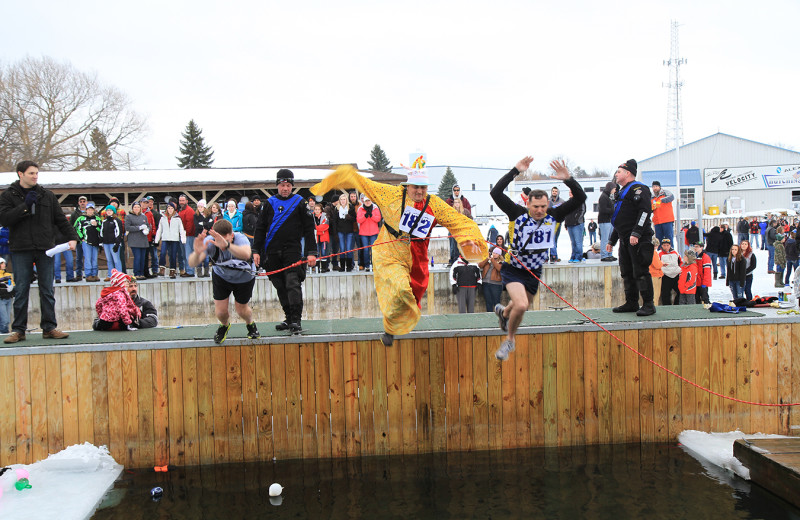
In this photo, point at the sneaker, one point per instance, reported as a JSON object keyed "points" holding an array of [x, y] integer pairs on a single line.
{"points": [[55, 334], [14, 337], [499, 309], [506, 348], [387, 339], [252, 331], [222, 333]]}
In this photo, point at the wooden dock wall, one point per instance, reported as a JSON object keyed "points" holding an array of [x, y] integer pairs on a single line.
{"points": [[204, 405]]}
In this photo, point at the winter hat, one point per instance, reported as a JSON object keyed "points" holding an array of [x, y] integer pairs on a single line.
{"points": [[89, 204], [666, 241], [284, 175], [110, 207], [174, 206], [630, 165], [779, 236], [2, 260], [119, 279], [693, 223], [497, 251], [691, 256], [656, 183], [202, 202]]}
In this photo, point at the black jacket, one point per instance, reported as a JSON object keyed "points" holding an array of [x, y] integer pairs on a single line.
{"points": [[576, 217], [714, 241], [249, 221], [737, 271], [633, 217], [33, 230], [727, 242], [287, 238], [605, 206]]}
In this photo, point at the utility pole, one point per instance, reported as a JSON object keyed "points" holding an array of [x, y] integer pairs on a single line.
{"points": [[674, 121]]}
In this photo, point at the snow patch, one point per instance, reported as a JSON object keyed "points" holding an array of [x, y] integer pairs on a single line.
{"points": [[66, 485], [717, 448]]}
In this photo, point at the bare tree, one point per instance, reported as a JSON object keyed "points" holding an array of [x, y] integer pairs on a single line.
{"points": [[48, 111]]}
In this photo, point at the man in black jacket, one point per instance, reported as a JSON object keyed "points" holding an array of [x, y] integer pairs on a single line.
{"points": [[31, 213], [148, 320], [631, 220], [281, 224]]}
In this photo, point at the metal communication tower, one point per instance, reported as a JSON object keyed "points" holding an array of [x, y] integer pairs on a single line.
{"points": [[674, 113]]}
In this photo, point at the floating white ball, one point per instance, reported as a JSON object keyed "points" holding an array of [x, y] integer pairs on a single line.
{"points": [[275, 490]]}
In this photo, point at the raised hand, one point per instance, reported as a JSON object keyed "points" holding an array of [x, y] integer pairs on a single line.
{"points": [[524, 164], [560, 167]]}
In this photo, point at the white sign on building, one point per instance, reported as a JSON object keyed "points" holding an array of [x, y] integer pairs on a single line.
{"points": [[753, 178]]}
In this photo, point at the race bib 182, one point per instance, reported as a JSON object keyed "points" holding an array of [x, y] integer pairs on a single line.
{"points": [[410, 215]]}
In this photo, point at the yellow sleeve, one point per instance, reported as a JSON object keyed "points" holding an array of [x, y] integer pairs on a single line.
{"points": [[346, 177], [462, 228]]}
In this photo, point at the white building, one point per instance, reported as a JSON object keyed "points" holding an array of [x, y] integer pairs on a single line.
{"points": [[728, 173]]}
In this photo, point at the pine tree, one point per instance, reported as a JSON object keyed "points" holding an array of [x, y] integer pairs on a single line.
{"points": [[378, 161], [99, 158], [446, 186], [194, 152]]}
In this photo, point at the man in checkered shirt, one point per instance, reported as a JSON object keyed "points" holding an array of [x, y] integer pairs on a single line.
{"points": [[532, 234]]}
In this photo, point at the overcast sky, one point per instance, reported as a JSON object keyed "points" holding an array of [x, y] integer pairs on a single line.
{"points": [[469, 83]]}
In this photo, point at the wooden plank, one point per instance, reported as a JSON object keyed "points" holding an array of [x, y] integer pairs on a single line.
{"points": [[660, 386], [366, 397], [423, 396], [409, 395], [604, 388], [689, 367], [771, 395], [438, 412], [116, 405], [757, 393], [352, 438], [674, 385], [590, 390], [264, 402], [508, 374], [728, 411], [743, 338], [794, 418], [451, 396], [577, 398], [618, 384], [480, 405], [716, 348], [100, 399], [83, 363], [322, 373], [24, 424], [784, 376], [293, 404], [535, 390], [394, 384], [219, 405], [703, 378], [550, 379], [144, 369], [205, 407], [191, 419], [309, 402], [250, 402], [380, 398], [167, 430], [338, 421], [233, 388], [632, 388], [170, 396], [647, 416], [55, 408], [8, 419], [130, 409], [494, 386], [522, 384]]}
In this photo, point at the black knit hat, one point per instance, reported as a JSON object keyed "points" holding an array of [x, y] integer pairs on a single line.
{"points": [[630, 165], [656, 183], [285, 175]]}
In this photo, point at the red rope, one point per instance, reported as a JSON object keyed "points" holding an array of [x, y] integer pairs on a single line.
{"points": [[652, 361]]}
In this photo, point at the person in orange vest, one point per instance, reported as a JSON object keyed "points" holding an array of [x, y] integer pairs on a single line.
{"points": [[663, 215]]}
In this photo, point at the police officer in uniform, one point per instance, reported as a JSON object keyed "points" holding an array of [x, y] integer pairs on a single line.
{"points": [[281, 224], [631, 221]]}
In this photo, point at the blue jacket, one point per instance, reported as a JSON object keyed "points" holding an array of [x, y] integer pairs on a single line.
{"points": [[236, 220]]}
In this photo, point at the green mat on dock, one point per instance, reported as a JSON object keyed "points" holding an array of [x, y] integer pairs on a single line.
{"points": [[449, 322]]}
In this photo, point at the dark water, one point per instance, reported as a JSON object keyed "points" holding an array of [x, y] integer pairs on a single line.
{"points": [[606, 482]]}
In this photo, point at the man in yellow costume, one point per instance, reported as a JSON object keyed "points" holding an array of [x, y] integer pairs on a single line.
{"points": [[401, 266]]}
